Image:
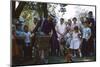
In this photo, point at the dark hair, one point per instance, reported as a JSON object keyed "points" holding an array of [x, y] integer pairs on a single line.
{"points": [[18, 25], [90, 12], [87, 22], [74, 18], [25, 27], [62, 19]]}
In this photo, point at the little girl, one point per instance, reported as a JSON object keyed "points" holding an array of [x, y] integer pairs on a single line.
{"points": [[75, 42]]}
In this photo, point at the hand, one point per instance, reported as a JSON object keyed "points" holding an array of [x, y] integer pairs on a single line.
{"points": [[32, 35]]}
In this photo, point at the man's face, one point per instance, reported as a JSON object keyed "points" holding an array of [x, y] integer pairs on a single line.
{"points": [[74, 20], [61, 21], [49, 18]]}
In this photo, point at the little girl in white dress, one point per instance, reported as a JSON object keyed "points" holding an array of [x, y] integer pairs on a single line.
{"points": [[75, 41]]}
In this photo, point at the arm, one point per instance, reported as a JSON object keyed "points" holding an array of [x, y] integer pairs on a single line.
{"points": [[56, 27], [89, 33]]}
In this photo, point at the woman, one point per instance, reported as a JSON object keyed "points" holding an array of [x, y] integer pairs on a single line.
{"points": [[49, 29], [15, 49], [46, 28]]}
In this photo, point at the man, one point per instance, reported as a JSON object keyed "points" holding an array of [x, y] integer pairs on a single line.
{"points": [[61, 31]]}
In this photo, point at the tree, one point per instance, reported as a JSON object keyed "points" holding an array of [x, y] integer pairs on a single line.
{"points": [[41, 8], [17, 11]]}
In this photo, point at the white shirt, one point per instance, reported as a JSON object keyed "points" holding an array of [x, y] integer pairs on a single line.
{"points": [[86, 32], [75, 36], [75, 42], [61, 28], [27, 37]]}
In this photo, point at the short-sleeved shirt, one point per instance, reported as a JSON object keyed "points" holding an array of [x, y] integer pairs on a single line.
{"points": [[61, 27], [27, 37], [19, 33], [86, 32]]}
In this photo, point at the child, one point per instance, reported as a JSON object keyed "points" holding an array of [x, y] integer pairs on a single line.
{"points": [[86, 36], [68, 38], [28, 48], [75, 42]]}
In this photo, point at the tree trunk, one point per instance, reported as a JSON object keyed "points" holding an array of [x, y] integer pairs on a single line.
{"points": [[45, 11], [17, 11], [13, 9]]}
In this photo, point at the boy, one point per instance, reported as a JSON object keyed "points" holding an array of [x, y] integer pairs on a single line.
{"points": [[27, 40], [86, 36]]}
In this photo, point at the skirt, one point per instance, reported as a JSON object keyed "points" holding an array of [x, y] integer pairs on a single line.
{"points": [[75, 44]]}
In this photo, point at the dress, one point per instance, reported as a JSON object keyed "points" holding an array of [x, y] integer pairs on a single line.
{"points": [[75, 42], [47, 28]]}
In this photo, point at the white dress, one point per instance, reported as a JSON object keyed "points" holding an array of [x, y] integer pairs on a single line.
{"points": [[75, 42]]}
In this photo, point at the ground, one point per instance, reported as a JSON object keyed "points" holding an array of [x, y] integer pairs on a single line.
{"points": [[57, 59]]}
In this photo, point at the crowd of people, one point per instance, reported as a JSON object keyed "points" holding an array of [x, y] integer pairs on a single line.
{"points": [[68, 39]]}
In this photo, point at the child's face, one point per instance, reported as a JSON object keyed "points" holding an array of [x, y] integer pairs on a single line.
{"points": [[85, 24], [26, 28]]}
